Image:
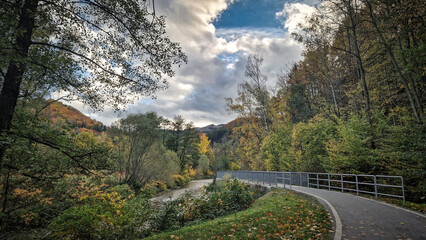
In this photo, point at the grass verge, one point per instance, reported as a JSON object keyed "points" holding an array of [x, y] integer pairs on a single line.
{"points": [[280, 214]]}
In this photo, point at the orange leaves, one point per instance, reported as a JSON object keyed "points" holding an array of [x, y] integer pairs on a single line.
{"points": [[60, 115]]}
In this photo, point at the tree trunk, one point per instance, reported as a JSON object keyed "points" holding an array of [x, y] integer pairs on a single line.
{"points": [[323, 57], [417, 110], [15, 71], [5, 199], [361, 68]]}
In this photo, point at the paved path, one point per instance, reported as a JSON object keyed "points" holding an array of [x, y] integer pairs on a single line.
{"points": [[363, 218]]}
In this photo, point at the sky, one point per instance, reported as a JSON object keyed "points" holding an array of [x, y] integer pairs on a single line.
{"points": [[218, 36]]}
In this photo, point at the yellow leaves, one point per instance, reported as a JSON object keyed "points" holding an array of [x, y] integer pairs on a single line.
{"points": [[204, 144], [32, 194], [27, 217], [191, 171], [24, 193]]}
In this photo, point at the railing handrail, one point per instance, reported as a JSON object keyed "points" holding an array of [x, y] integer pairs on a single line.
{"points": [[319, 181]]}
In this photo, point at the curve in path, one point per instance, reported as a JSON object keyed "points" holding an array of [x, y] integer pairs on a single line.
{"points": [[364, 218]]}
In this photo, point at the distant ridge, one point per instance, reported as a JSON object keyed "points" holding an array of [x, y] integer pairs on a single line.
{"points": [[210, 128]]}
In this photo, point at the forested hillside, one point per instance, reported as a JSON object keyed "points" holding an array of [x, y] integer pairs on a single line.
{"points": [[61, 114], [354, 104]]}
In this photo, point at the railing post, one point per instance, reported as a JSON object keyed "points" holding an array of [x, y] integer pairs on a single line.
{"points": [[402, 186], [375, 186], [329, 182], [341, 181], [317, 180], [263, 178], [283, 179], [276, 179], [300, 177], [356, 181], [307, 179], [291, 181], [268, 174]]}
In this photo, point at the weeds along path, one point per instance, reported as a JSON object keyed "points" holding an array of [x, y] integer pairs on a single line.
{"points": [[193, 189]]}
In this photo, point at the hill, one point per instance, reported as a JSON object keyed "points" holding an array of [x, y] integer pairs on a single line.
{"points": [[210, 128], [62, 114]]}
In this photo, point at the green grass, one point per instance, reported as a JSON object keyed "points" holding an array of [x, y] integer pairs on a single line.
{"points": [[280, 214]]}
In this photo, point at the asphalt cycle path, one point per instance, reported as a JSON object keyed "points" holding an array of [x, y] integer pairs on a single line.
{"points": [[363, 218]]}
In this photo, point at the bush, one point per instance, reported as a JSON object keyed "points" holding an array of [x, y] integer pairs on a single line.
{"points": [[106, 216], [228, 196], [116, 213], [179, 180]]}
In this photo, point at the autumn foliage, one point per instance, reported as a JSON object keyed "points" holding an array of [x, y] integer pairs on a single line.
{"points": [[65, 115]]}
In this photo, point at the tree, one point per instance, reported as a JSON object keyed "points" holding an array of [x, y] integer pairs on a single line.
{"points": [[203, 163], [141, 155], [39, 157], [184, 141], [308, 144], [407, 79], [349, 150], [188, 147], [205, 149], [299, 105], [252, 106], [101, 52]]}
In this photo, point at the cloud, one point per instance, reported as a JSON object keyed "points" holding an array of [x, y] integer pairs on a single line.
{"points": [[217, 59], [295, 14], [232, 34]]}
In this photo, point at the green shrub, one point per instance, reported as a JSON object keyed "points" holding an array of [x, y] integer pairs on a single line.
{"points": [[228, 196], [116, 213], [107, 216]]}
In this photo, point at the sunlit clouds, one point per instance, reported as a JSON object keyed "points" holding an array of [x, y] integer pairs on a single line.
{"points": [[217, 57]]}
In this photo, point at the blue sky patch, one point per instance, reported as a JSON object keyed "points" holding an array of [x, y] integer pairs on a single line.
{"points": [[251, 14]]}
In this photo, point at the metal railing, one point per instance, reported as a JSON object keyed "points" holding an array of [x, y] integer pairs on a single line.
{"points": [[377, 185]]}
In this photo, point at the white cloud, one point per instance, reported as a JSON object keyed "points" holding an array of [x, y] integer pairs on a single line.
{"points": [[217, 59], [295, 14]]}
